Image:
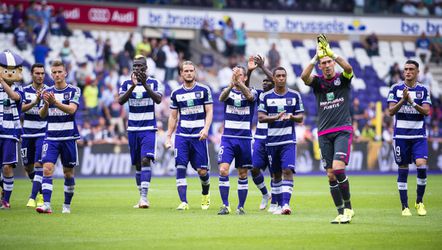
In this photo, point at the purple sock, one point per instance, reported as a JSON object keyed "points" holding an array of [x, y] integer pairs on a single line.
{"points": [[278, 192], [138, 180], [272, 185], [259, 182], [8, 186], [69, 185], [36, 183], [287, 189], [243, 188], [402, 186], [224, 186], [31, 175], [421, 183], [46, 186], [181, 182]]}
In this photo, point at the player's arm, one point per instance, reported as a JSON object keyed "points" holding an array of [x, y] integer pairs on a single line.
{"points": [[260, 62], [393, 107], [171, 126], [423, 109], [264, 118], [306, 74], [298, 118], [156, 97], [204, 133], [246, 91], [251, 66], [70, 108], [43, 112], [122, 99], [9, 91], [27, 106], [225, 93]]}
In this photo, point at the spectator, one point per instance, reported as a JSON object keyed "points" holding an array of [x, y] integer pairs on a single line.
{"points": [[129, 47], [229, 37], [17, 15], [160, 61], [21, 37], [423, 47], [274, 57], [124, 60], [425, 77], [32, 15], [124, 76], [409, 9], [59, 25], [358, 114], [6, 18], [368, 133], [99, 49], [82, 74], [372, 45], [436, 46], [143, 47], [66, 52], [90, 96], [435, 134], [172, 61], [438, 10], [387, 134], [108, 57], [208, 34], [241, 41], [116, 116], [41, 51], [86, 136], [40, 31], [422, 10], [394, 79]]}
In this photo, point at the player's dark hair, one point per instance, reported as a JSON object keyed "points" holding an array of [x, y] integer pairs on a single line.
{"points": [[268, 79], [413, 62], [278, 68], [36, 65], [244, 71]]}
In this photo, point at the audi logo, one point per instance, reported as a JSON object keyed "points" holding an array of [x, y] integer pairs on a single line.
{"points": [[99, 15]]}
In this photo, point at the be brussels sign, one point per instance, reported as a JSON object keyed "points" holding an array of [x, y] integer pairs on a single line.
{"points": [[91, 14]]}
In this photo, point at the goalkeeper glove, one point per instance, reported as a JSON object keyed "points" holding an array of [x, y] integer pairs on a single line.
{"points": [[323, 42]]}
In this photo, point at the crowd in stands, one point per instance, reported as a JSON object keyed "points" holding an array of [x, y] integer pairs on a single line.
{"points": [[99, 75]]}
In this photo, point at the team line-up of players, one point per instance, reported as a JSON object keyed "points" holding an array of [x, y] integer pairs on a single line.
{"points": [[49, 131]]}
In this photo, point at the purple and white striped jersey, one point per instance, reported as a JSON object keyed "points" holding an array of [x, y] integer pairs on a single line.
{"points": [[61, 126], [190, 104], [281, 132], [238, 114], [10, 127], [261, 127], [33, 124], [409, 123], [141, 106]]}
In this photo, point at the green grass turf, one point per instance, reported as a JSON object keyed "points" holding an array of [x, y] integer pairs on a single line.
{"points": [[103, 218]]}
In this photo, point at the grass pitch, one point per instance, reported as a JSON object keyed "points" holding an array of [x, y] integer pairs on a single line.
{"points": [[103, 218]]}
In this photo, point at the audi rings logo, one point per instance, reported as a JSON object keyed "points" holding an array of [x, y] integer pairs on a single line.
{"points": [[99, 15]]}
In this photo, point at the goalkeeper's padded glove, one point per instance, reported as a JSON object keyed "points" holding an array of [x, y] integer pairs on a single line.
{"points": [[320, 53], [323, 42]]}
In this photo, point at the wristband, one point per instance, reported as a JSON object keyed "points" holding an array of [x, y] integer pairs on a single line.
{"points": [[413, 104], [314, 60], [334, 56]]}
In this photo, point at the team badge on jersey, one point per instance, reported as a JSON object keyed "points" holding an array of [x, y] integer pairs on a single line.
{"points": [[289, 101], [198, 95], [337, 82], [67, 96], [419, 94]]}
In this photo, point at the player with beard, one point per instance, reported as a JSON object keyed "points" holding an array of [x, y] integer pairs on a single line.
{"points": [[192, 102]]}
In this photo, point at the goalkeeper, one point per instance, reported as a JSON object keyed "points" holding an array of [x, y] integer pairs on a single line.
{"points": [[332, 91]]}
